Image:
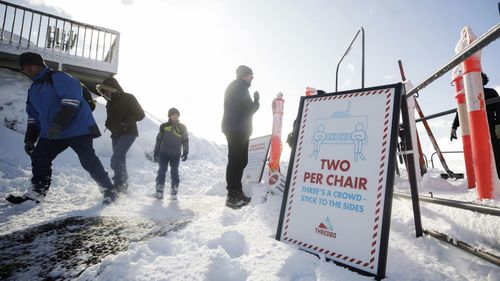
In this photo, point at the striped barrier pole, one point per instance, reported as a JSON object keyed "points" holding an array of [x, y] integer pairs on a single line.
{"points": [[482, 153], [457, 79], [275, 154]]}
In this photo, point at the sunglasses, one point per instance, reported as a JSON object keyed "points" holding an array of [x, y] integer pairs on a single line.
{"points": [[105, 90]]}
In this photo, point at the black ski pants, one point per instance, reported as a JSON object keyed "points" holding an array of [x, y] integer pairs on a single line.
{"points": [[46, 151], [237, 144]]}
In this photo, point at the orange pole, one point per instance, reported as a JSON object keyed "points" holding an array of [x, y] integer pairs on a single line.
{"points": [[482, 153], [457, 79], [275, 154]]}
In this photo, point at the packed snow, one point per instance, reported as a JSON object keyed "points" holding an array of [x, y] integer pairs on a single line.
{"points": [[220, 243]]}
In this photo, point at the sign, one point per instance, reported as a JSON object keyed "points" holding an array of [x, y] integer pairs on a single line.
{"points": [[258, 149], [338, 191], [276, 183]]}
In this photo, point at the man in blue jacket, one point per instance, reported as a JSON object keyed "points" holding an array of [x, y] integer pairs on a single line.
{"points": [[58, 118], [237, 126]]}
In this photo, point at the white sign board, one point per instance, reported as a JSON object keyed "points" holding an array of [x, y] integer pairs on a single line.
{"points": [[339, 184], [276, 183], [258, 148]]}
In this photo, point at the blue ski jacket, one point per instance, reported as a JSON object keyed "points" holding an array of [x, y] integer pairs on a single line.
{"points": [[46, 101]]}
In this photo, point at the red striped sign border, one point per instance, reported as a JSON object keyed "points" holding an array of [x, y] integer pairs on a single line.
{"points": [[378, 211]]}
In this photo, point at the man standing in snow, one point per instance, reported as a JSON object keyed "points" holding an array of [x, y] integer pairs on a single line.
{"points": [[493, 115], [237, 126], [173, 137], [123, 111], [58, 118]]}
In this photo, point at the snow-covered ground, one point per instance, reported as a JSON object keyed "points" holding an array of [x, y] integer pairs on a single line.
{"points": [[220, 243]]}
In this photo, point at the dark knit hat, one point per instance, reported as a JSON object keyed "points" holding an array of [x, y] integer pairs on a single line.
{"points": [[243, 71], [111, 82], [30, 58], [173, 111]]}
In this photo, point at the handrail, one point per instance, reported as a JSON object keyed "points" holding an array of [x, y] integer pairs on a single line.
{"points": [[489, 210], [450, 111], [475, 46], [362, 58], [58, 17], [60, 34], [443, 152]]}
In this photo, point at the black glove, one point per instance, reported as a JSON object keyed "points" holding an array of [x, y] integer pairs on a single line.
{"points": [[256, 97], [54, 131], [156, 157], [29, 146], [453, 134], [184, 157]]}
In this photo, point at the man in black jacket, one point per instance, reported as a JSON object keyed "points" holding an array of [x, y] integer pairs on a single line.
{"points": [[123, 111], [170, 141], [237, 126], [493, 114]]}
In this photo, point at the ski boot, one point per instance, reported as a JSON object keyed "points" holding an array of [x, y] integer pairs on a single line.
{"points": [[173, 191], [35, 193], [109, 196], [159, 192]]}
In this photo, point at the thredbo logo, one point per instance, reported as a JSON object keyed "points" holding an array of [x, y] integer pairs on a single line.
{"points": [[325, 228]]}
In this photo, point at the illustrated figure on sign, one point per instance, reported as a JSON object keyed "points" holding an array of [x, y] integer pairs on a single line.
{"points": [[358, 137], [319, 137]]}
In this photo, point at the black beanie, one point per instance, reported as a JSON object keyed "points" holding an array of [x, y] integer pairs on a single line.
{"points": [[30, 58], [111, 82], [173, 111], [243, 71]]}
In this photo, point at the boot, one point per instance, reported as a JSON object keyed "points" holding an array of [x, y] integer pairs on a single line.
{"points": [[38, 191], [235, 201], [109, 196], [122, 189], [242, 196], [173, 189], [159, 191]]}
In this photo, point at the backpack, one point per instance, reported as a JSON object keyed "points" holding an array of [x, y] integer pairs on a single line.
{"points": [[87, 94]]}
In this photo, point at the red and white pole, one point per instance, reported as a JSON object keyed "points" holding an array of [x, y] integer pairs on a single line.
{"points": [[458, 82], [482, 152], [275, 154], [311, 91]]}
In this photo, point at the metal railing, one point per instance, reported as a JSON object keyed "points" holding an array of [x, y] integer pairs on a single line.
{"points": [[481, 42], [362, 30], [25, 28]]}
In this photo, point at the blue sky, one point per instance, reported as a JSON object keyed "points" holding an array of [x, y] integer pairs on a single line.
{"points": [[184, 53]]}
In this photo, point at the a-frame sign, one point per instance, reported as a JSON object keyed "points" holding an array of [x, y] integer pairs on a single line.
{"points": [[338, 196]]}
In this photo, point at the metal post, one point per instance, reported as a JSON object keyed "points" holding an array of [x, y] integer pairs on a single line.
{"points": [[104, 46], [84, 39], [12, 29], [77, 36], [91, 39], [39, 30], [46, 33], [97, 44], [63, 35], [22, 28], [4, 19], [31, 28], [411, 168], [362, 30], [56, 34]]}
